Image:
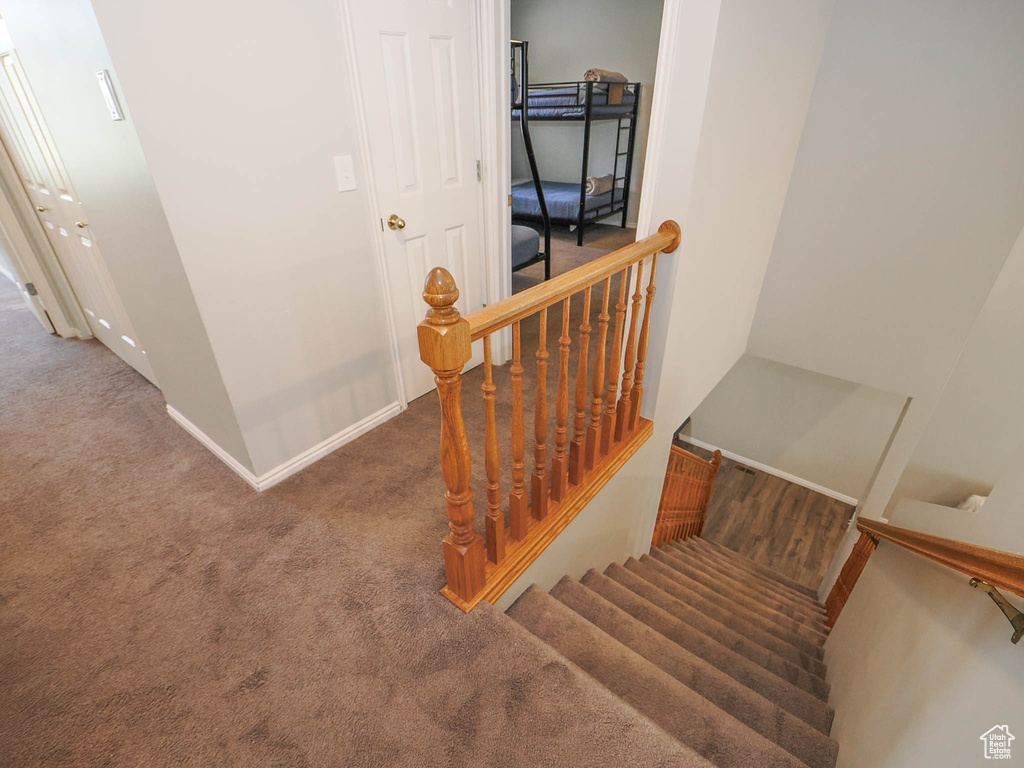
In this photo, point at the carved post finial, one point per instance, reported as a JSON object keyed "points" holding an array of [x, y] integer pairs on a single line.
{"points": [[441, 293]]}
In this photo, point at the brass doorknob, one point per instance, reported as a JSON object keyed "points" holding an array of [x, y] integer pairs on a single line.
{"points": [[81, 224], [40, 208], [396, 222]]}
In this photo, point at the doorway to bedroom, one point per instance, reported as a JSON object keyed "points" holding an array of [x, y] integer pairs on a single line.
{"points": [[582, 85]]}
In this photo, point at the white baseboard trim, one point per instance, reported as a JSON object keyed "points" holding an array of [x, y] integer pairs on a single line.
{"points": [[288, 468], [236, 466], [772, 471]]}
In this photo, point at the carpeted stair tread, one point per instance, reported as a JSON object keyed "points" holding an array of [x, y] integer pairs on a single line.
{"points": [[765, 574], [762, 570], [737, 622], [693, 636], [768, 651], [803, 605], [747, 589], [749, 585], [695, 572], [770, 621], [746, 569], [711, 732], [749, 707]]}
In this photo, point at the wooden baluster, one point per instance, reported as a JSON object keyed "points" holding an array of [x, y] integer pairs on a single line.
{"points": [[518, 511], [495, 517], [641, 351], [577, 448], [622, 416], [608, 423], [559, 464], [539, 488], [444, 343], [594, 429]]}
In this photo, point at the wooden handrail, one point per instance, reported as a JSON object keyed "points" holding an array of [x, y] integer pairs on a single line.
{"points": [[507, 311], [562, 484], [998, 568], [685, 496]]}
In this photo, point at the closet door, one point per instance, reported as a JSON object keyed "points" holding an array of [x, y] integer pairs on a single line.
{"points": [[415, 72], [31, 148]]}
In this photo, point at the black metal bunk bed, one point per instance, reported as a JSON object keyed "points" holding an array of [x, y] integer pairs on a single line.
{"points": [[523, 234], [584, 101]]}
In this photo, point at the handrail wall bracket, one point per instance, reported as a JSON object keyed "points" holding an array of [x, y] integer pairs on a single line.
{"points": [[1015, 617]]}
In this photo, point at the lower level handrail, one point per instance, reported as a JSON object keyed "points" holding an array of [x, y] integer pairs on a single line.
{"points": [[988, 568]]}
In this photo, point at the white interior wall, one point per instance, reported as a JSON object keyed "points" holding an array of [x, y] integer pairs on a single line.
{"points": [[742, 72], [921, 664], [979, 420], [904, 203], [906, 196], [61, 47], [241, 111], [566, 39], [818, 428]]}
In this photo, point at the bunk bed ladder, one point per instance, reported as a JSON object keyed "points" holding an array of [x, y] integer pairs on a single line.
{"points": [[630, 147]]}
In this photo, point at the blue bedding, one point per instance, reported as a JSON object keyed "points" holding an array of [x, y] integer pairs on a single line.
{"points": [[563, 199], [570, 101]]}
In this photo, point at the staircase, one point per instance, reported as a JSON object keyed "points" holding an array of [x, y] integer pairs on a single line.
{"points": [[721, 653]]}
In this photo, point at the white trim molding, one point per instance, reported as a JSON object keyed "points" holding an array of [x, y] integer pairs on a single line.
{"points": [[771, 470], [295, 464]]}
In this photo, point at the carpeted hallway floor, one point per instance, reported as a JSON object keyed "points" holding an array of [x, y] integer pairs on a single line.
{"points": [[156, 611]]}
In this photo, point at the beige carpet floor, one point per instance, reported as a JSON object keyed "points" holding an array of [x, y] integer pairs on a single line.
{"points": [[156, 611]]}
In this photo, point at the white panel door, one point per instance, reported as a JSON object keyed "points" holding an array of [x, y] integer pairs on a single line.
{"points": [[31, 148], [415, 71]]}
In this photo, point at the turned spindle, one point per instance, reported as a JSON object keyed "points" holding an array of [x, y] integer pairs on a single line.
{"points": [[577, 448], [559, 464], [594, 428]]}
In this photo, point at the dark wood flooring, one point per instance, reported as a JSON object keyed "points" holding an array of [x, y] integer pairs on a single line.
{"points": [[774, 522]]}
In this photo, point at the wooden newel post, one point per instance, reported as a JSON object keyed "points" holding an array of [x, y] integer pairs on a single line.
{"points": [[445, 346]]}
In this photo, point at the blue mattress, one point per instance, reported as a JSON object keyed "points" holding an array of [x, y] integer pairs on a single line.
{"points": [[563, 199]]}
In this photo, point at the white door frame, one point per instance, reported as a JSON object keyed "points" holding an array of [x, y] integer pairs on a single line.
{"points": [[492, 24], [495, 129]]}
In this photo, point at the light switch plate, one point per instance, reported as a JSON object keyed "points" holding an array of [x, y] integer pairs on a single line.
{"points": [[346, 173]]}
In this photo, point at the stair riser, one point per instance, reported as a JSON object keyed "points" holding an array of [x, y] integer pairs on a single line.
{"points": [[778, 578], [734, 621], [772, 621], [803, 605], [746, 570], [753, 710], [748, 587], [787, 695]]}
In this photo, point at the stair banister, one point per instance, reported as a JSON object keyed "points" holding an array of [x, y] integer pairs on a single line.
{"points": [[988, 568], [562, 484]]}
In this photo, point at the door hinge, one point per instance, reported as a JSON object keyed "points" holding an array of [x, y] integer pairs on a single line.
{"points": [[30, 289], [510, 201], [478, 170]]}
